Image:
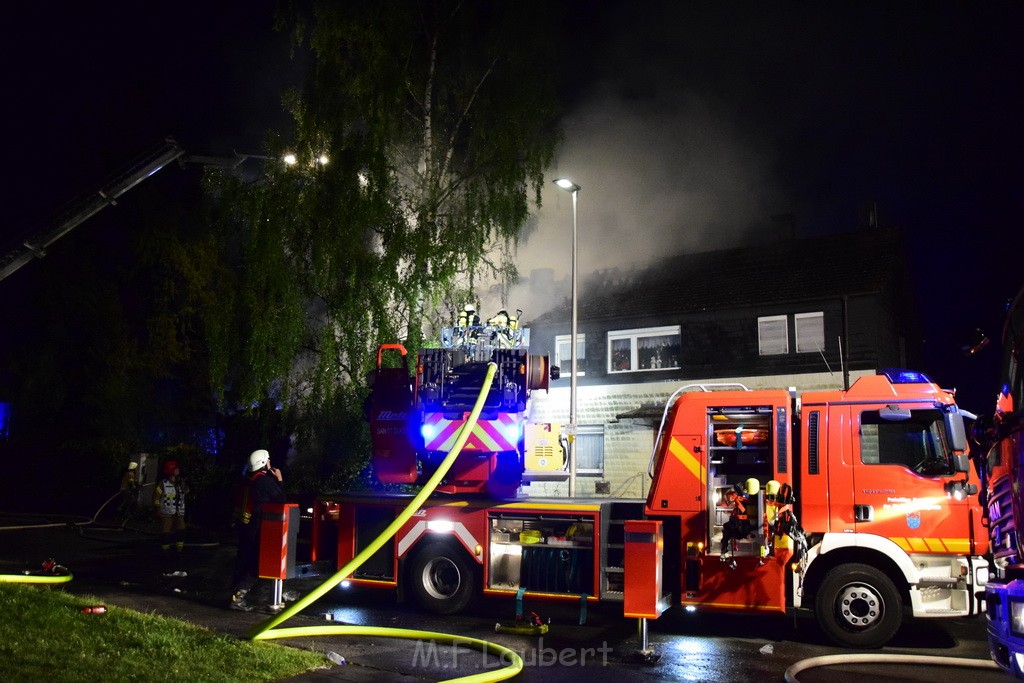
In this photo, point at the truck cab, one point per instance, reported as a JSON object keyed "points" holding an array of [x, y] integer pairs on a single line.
{"points": [[855, 503], [1000, 441]]}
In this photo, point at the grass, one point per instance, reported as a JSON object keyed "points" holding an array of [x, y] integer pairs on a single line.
{"points": [[44, 636]]}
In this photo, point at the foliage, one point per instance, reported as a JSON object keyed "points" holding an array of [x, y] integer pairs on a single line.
{"points": [[111, 360], [420, 140], [45, 637]]}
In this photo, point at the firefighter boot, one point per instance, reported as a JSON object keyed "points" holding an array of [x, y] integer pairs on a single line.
{"points": [[238, 601]]}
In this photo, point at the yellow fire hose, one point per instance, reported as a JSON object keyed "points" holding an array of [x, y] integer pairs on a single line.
{"points": [[35, 578], [266, 630]]}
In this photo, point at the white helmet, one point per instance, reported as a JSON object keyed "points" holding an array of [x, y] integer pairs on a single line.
{"points": [[258, 460]]}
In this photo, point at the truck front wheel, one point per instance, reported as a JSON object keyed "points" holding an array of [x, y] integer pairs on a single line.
{"points": [[858, 606], [442, 579]]}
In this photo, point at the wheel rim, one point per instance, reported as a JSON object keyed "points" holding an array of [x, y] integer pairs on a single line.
{"points": [[441, 578], [859, 606]]}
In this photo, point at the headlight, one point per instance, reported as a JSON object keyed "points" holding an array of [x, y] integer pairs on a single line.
{"points": [[1017, 617], [980, 576]]}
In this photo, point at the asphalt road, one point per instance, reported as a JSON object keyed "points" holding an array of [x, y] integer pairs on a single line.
{"points": [[125, 569]]}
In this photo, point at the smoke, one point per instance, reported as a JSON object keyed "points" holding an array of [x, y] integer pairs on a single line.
{"points": [[661, 172]]}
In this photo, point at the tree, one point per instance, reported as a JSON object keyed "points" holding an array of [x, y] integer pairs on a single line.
{"points": [[420, 139]]}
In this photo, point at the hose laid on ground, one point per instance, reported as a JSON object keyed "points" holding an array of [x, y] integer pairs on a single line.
{"points": [[514, 663], [834, 660], [35, 578], [31, 577], [45, 525]]}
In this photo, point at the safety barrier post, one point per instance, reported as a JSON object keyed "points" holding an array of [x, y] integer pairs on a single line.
{"points": [[278, 540], [643, 597]]}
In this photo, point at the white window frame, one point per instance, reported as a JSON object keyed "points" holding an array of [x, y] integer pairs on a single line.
{"points": [[634, 337], [762, 323], [597, 432], [581, 353], [818, 339]]}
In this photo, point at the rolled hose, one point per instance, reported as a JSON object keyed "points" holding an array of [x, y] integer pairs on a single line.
{"points": [[835, 660], [266, 630]]}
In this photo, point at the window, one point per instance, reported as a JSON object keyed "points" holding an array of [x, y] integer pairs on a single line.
{"points": [[589, 449], [772, 335], [810, 332], [563, 357], [652, 348], [916, 443]]}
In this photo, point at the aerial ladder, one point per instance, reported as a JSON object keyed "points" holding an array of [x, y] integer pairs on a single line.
{"points": [[35, 243]]}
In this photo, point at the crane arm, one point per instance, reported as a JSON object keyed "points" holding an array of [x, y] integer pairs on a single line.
{"points": [[36, 243]]}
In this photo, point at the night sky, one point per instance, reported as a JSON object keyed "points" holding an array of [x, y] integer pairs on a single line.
{"points": [[688, 126]]}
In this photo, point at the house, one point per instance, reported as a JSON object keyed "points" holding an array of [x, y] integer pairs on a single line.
{"points": [[811, 313]]}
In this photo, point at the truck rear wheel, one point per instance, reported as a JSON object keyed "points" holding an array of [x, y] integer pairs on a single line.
{"points": [[442, 579], [858, 606]]}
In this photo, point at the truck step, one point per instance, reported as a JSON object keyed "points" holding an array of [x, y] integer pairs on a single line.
{"points": [[936, 581]]}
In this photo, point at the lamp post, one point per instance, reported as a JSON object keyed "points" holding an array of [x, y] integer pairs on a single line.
{"points": [[570, 186]]}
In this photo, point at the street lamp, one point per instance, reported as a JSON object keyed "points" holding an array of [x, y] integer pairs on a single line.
{"points": [[570, 186]]}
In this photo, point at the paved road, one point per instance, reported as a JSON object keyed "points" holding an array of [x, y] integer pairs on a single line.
{"points": [[124, 568]]}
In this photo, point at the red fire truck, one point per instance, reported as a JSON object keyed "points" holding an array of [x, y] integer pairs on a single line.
{"points": [[851, 504]]}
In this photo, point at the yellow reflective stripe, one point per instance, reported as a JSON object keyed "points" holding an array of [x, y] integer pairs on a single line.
{"points": [[549, 506], [486, 439], [687, 458], [959, 546], [918, 545], [902, 543]]}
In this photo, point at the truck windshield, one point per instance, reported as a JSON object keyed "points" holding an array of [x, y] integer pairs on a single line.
{"points": [[917, 443]]}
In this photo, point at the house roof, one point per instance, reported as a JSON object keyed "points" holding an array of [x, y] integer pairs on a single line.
{"points": [[788, 271]]}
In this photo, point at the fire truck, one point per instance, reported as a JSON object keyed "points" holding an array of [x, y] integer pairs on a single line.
{"points": [[851, 504], [414, 424], [1001, 463]]}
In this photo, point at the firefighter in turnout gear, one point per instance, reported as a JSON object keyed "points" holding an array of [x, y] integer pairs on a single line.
{"points": [[169, 501], [261, 484], [129, 492]]}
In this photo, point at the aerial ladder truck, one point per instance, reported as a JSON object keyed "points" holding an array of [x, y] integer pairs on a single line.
{"points": [[854, 506]]}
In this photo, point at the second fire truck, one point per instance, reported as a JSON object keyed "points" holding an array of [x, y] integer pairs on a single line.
{"points": [[853, 504]]}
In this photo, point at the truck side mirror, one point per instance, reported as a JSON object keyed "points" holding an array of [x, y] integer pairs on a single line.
{"points": [[961, 463], [956, 432]]}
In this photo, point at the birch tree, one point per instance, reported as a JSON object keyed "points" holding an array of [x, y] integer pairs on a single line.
{"points": [[419, 146]]}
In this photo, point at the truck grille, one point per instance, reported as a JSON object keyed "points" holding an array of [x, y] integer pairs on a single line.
{"points": [[1002, 527]]}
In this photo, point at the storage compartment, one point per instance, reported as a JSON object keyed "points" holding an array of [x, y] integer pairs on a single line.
{"points": [[542, 553], [740, 449], [557, 570]]}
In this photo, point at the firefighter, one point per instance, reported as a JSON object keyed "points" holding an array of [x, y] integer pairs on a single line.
{"points": [[129, 492], [471, 317], [169, 501], [470, 331], [502, 332], [261, 484]]}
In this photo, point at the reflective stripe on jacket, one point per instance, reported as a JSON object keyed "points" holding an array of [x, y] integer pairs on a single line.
{"points": [[243, 498], [169, 498]]}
